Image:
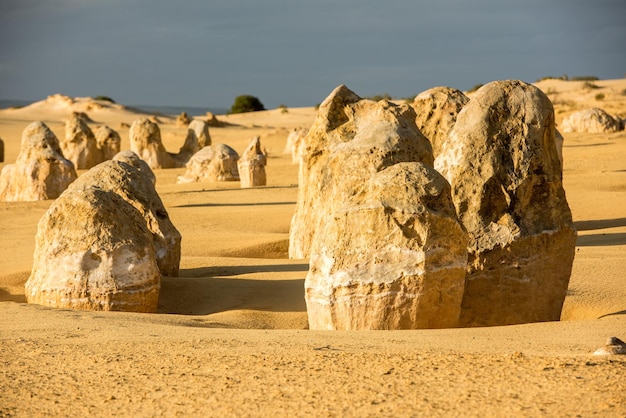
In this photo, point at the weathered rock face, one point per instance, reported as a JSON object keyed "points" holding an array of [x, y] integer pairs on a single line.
{"points": [[104, 244], [133, 159], [145, 141], [251, 165], [183, 119], [217, 162], [108, 141], [200, 128], [197, 138], [593, 121], [40, 171], [436, 110], [80, 146], [137, 188], [295, 144], [93, 251], [350, 140], [506, 177], [392, 257]]}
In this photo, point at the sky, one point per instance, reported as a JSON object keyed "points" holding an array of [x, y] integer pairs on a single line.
{"points": [[204, 53]]}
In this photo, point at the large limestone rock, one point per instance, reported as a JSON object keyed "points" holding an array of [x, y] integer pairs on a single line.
{"points": [[436, 110], [200, 129], [295, 144], [350, 140], [136, 186], [133, 159], [217, 162], [251, 165], [108, 141], [80, 145], [197, 138], [506, 177], [40, 171], [104, 244], [593, 121], [391, 257], [145, 141]]}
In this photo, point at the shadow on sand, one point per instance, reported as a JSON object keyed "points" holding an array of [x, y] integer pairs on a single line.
{"points": [[209, 290]]}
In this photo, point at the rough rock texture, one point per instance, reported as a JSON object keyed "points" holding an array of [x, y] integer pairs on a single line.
{"points": [[197, 138], [1, 150], [183, 119], [104, 244], [350, 140], [136, 186], [217, 162], [40, 171], [251, 165], [593, 121], [145, 141], [133, 159], [506, 177], [392, 257], [558, 142], [80, 146], [108, 141], [436, 110], [295, 144]]}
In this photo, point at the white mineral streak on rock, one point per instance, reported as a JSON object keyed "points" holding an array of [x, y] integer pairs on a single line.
{"points": [[503, 164]]}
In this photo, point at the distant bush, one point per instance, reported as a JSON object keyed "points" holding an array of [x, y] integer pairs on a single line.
{"points": [[564, 77], [624, 92], [105, 98], [246, 103], [600, 96], [283, 108], [588, 85], [585, 78]]}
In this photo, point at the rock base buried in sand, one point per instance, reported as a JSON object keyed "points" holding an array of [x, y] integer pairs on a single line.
{"points": [[393, 258], [251, 165], [613, 346], [104, 244], [506, 177], [40, 171]]}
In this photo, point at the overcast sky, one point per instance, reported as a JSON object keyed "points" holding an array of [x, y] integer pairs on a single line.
{"points": [[294, 52]]}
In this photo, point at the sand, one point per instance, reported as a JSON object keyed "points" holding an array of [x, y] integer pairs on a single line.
{"points": [[231, 337]]}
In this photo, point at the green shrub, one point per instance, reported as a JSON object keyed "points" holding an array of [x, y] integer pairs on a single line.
{"points": [[246, 103], [105, 98], [283, 108], [600, 96], [585, 78], [588, 85]]}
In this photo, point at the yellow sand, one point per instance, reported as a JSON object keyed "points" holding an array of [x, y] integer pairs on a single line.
{"points": [[230, 338]]}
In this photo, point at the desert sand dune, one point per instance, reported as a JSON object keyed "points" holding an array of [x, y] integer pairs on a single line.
{"points": [[230, 337]]}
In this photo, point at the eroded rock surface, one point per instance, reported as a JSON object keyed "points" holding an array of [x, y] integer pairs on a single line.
{"points": [[350, 140], [506, 177], [386, 248], [392, 257], [217, 162], [436, 110], [108, 141], [145, 141], [592, 121], [104, 244], [40, 171], [251, 165], [80, 145]]}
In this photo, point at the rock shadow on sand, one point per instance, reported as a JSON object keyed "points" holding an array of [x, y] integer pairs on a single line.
{"points": [[210, 290]]}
